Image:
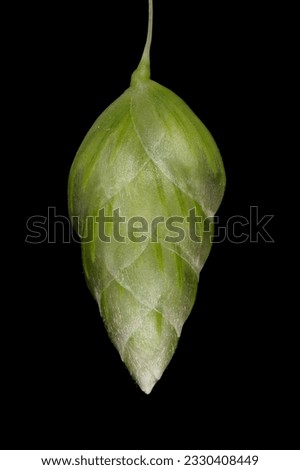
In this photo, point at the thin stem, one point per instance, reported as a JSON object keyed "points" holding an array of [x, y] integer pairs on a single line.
{"points": [[142, 72], [146, 53]]}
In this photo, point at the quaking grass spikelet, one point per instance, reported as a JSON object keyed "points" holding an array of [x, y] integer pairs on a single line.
{"points": [[144, 182]]}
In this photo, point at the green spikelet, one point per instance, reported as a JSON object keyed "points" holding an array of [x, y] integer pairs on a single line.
{"points": [[147, 171]]}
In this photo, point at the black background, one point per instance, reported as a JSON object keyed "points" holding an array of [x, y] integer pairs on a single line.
{"points": [[231, 383]]}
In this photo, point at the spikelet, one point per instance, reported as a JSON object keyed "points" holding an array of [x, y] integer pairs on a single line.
{"points": [[144, 183]]}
